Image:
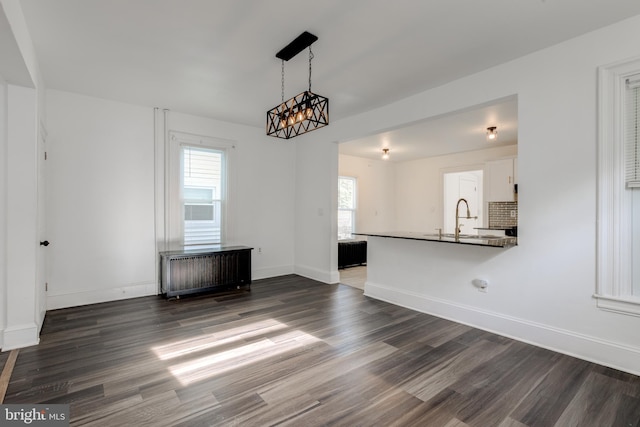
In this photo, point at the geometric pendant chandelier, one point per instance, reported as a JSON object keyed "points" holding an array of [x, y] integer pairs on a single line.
{"points": [[304, 112]]}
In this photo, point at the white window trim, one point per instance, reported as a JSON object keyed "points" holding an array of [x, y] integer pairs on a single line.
{"points": [[172, 211], [614, 243]]}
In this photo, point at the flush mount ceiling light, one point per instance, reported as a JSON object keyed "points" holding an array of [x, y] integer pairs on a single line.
{"points": [[304, 112], [492, 133], [385, 154]]}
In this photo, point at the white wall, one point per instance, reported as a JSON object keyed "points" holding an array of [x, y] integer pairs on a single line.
{"points": [[100, 205], [316, 208], [376, 187], [101, 198], [547, 282]]}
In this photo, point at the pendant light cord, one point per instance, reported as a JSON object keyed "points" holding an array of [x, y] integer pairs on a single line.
{"points": [[283, 81], [310, 58]]}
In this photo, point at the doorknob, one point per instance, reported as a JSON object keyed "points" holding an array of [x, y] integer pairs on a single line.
{"points": [[45, 243]]}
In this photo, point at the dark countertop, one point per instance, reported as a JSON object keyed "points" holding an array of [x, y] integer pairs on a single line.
{"points": [[465, 239], [508, 231]]}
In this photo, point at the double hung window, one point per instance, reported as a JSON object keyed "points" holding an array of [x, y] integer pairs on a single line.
{"points": [[197, 190], [346, 207], [202, 194], [618, 240]]}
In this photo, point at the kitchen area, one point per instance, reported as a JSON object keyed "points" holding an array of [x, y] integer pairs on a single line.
{"points": [[439, 208]]}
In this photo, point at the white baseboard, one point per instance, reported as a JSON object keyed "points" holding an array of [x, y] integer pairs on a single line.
{"points": [[265, 273], [324, 276], [101, 295], [592, 349], [20, 336]]}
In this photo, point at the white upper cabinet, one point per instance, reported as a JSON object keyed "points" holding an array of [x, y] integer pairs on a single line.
{"points": [[500, 180]]}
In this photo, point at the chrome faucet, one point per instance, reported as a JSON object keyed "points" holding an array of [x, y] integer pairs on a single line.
{"points": [[458, 225]]}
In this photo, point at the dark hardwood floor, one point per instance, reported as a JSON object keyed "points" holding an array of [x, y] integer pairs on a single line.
{"points": [[296, 352]]}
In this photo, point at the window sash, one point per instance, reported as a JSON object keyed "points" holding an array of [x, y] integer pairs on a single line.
{"points": [[346, 223]]}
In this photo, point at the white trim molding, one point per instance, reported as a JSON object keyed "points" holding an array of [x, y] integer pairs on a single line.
{"points": [[75, 299], [267, 272], [20, 336], [627, 305], [614, 286], [329, 277]]}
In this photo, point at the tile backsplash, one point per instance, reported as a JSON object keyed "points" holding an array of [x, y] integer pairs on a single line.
{"points": [[503, 214]]}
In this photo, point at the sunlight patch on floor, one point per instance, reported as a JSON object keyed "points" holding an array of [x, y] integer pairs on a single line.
{"points": [[212, 365], [210, 362], [209, 341]]}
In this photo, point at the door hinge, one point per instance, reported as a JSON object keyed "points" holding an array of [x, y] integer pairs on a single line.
{"points": [[46, 286], [45, 155]]}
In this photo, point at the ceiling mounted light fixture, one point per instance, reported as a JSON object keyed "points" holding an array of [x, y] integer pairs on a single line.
{"points": [[385, 154], [492, 133], [304, 112]]}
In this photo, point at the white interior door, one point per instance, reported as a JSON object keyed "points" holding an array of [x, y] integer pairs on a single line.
{"points": [[466, 185], [468, 190]]}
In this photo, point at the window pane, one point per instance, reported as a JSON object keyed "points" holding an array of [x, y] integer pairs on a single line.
{"points": [[198, 212], [197, 195], [203, 231], [346, 193], [345, 224]]}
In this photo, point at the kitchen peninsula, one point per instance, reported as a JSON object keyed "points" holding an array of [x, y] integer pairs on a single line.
{"points": [[439, 274]]}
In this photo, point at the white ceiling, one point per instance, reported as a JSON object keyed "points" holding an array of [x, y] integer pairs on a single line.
{"points": [[456, 132], [217, 58]]}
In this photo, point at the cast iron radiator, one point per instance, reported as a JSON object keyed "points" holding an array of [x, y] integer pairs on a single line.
{"points": [[352, 252], [189, 271]]}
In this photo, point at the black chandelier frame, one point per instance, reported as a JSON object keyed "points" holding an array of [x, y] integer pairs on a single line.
{"points": [[304, 112]]}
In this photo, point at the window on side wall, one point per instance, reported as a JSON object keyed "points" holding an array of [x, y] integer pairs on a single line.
{"points": [[346, 207], [618, 242]]}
